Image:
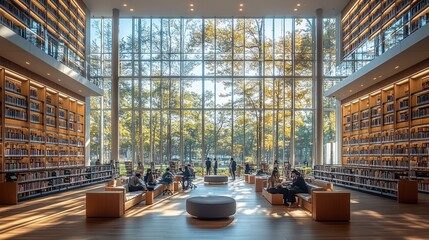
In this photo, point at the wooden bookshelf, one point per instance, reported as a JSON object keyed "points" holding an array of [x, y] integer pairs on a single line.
{"points": [[385, 138], [367, 20], [42, 139]]}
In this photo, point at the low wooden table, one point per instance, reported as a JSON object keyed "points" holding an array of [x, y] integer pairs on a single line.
{"points": [[259, 183]]}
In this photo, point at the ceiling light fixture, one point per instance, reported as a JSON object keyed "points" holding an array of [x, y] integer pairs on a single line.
{"points": [[80, 90], [27, 63], [241, 5], [132, 9], [192, 9], [361, 85], [59, 80], [240, 9], [125, 5], [48, 74], [296, 9], [351, 90], [374, 78], [298, 4], [191, 5], [396, 67]]}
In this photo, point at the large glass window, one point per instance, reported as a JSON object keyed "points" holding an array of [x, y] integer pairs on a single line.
{"points": [[192, 88]]}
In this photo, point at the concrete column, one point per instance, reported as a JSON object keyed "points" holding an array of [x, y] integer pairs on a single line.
{"points": [[115, 85], [87, 131], [319, 87]]}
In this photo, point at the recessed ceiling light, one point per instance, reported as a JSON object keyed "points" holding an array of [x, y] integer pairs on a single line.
{"points": [[396, 67], [48, 74], [192, 9], [296, 9], [380, 76], [241, 4], [27, 63], [240, 9], [80, 90], [191, 5], [125, 5], [374, 78], [351, 90], [132, 9], [361, 85], [298, 4], [59, 80]]}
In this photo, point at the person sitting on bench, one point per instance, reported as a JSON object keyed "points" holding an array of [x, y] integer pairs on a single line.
{"points": [[186, 177], [298, 185], [167, 179], [136, 183]]}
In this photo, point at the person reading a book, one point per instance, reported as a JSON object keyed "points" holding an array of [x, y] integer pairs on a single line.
{"points": [[136, 183]]}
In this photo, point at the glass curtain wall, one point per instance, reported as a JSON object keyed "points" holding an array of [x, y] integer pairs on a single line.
{"points": [[192, 88]]}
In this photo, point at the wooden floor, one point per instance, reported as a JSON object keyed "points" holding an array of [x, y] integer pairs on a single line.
{"points": [[62, 216]]}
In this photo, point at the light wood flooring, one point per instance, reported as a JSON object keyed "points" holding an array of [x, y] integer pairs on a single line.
{"points": [[62, 216]]}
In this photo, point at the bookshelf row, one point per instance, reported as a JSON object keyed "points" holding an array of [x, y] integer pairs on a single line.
{"points": [[41, 137], [55, 26], [38, 183], [383, 181], [369, 19], [389, 124]]}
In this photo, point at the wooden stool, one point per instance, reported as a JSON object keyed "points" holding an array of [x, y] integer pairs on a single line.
{"points": [[149, 197], [176, 186], [252, 179], [259, 183], [408, 191]]}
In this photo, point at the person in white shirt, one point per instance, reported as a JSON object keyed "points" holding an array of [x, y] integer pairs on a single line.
{"points": [[136, 183]]}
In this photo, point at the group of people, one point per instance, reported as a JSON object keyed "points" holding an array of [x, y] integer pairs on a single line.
{"points": [[287, 188], [136, 183], [232, 167]]}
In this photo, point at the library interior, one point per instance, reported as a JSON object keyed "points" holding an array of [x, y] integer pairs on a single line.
{"points": [[194, 119]]}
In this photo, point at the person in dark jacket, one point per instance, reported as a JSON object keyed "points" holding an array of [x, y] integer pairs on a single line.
{"points": [[298, 185], [208, 166], [215, 166], [247, 168], [232, 168], [186, 177]]}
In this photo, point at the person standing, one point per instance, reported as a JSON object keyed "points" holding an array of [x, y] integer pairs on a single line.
{"points": [[233, 168], [208, 166], [215, 166]]}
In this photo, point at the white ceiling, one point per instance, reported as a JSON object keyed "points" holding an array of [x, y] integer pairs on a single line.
{"points": [[215, 8]]}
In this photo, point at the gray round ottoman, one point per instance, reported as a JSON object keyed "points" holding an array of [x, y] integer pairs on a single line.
{"points": [[211, 207], [216, 179]]}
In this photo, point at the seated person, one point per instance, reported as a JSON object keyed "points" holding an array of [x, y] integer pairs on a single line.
{"points": [[148, 178], [136, 183], [247, 168], [273, 181], [191, 170], [298, 185], [186, 177], [167, 177]]}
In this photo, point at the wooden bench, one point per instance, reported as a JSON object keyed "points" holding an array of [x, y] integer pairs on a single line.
{"points": [[305, 199], [155, 192], [274, 199], [130, 198], [331, 206], [105, 204]]}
